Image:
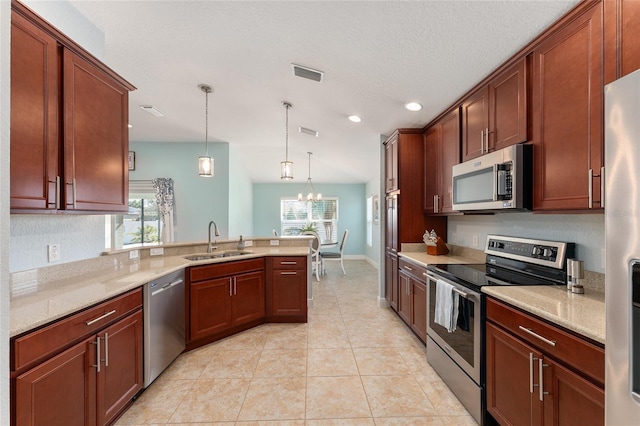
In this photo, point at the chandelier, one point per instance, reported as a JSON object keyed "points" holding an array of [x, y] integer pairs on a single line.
{"points": [[311, 195]]}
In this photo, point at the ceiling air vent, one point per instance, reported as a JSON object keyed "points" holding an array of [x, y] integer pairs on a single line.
{"points": [[308, 131], [308, 73]]}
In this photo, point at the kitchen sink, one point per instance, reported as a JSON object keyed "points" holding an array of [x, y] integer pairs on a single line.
{"points": [[217, 255]]}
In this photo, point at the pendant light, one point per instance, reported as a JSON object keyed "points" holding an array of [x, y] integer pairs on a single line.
{"points": [[205, 163], [311, 196], [286, 166]]}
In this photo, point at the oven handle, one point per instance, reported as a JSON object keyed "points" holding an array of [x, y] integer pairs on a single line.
{"points": [[433, 277]]}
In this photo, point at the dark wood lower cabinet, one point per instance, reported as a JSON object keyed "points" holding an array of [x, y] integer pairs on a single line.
{"points": [[527, 385], [89, 383], [412, 297], [287, 289], [391, 279], [419, 309]]}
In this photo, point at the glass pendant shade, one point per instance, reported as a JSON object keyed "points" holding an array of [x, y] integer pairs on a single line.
{"points": [[205, 166], [286, 170]]}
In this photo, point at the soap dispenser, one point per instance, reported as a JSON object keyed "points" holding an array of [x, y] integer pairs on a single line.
{"points": [[240, 243]]}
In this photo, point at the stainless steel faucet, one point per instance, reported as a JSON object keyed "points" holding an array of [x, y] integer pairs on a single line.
{"points": [[210, 248]]}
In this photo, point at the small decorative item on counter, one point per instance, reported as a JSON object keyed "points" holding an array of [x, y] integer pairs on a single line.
{"points": [[575, 276], [435, 245]]}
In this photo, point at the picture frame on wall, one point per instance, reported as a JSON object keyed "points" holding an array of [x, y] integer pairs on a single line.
{"points": [[132, 160], [376, 208]]}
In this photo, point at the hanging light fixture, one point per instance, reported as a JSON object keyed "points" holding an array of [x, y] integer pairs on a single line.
{"points": [[311, 195], [286, 166], [205, 163]]}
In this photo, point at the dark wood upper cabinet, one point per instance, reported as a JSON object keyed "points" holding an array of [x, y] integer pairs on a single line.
{"points": [[495, 115], [622, 38], [442, 152], [69, 123], [568, 114]]}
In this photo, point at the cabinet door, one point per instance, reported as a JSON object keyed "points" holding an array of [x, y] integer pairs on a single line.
{"points": [[508, 107], [569, 399], [509, 373], [567, 114], [622, 38], [121, 373], [449, 156], [419, 309], [60, 391], [96, 140], [248, 301], [475, 123], [404, 297], [210, 307], [432, 172], [288, 293], [34, 117], [391, 165], [391, 277]]}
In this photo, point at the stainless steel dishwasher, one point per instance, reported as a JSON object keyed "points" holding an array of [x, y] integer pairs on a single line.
{"points": [[164, 323]]}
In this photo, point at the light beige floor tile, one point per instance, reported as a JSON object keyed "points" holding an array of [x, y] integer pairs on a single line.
{"points": [[409, 421], [279, 398], [253, 339], [329, 338], [415, 358], [212, 400], [444, 401], [380, 361], [341, 422], [190, 365], [294, 337], [336, 397], [331, 362], [459, 421], [282, 363], [232, 365], [270, 423], [157, 403], [393, 396]]}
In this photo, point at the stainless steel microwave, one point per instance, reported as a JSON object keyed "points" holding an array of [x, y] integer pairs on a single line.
{"points": [[495, 181]]}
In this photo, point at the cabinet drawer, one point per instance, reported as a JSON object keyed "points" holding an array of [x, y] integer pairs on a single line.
{"points": [[45, 342], [205, 272], [287, 263], [577, 353], [412, 269]]}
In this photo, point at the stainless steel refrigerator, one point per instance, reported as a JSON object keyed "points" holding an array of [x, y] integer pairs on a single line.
{"points": [[622, 230]]}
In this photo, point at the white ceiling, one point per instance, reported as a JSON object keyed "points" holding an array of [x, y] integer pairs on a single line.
{"points": [[376, 56]]}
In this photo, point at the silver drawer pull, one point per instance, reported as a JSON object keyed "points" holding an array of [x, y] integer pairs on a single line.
{"points": [[288, 263], [100, 317], [537, 336], [408, 268], [288, 273]]}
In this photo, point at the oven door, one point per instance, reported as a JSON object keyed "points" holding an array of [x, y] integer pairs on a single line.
{"points": [[462, 345]]}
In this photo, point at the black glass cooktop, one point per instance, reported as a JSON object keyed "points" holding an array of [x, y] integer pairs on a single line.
{"points": [[479, 275]]}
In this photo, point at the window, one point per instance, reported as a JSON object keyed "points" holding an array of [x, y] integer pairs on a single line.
{"points": [[370, 221], [322, 215], [143, 223]]}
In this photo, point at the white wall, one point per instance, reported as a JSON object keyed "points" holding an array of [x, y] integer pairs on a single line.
{"points": [[586, 230], [5, 98], [240, 196]]}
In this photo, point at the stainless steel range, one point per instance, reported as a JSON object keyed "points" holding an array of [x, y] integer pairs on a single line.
{"points": [[458, 356]]}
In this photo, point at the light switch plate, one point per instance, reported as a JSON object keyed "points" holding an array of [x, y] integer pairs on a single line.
{"points": [[156, 251], [248, 243], [274, 242], [134, 254]]}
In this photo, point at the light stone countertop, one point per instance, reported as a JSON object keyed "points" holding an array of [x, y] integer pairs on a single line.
{"points": [[35, 302], [427, 259], [581, 313]]}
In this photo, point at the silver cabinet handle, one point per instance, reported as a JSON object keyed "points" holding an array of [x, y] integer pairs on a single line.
{"points": [[408, 268], [537, 336], [58, 197], [288, 263], [100, 317], [486, 137], [541, 378], [235, 285], [97, 343], [590, 177], [74, 193], [230, 288], [106, 349], [481, 141], [530, 372], [602, 187], [288, 273]]}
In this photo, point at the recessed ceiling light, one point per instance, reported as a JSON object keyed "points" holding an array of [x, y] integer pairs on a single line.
{"points": [[152, 110], [413, 106], [355, 118]]}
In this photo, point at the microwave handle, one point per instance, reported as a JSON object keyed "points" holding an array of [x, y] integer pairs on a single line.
{"points": [[497, 182]]}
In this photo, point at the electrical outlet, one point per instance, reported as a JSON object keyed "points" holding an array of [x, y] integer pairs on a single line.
{"points": [[53, 253], [474, 240], [156, 251], [248, 243], [274, 242], [134, 254]]}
